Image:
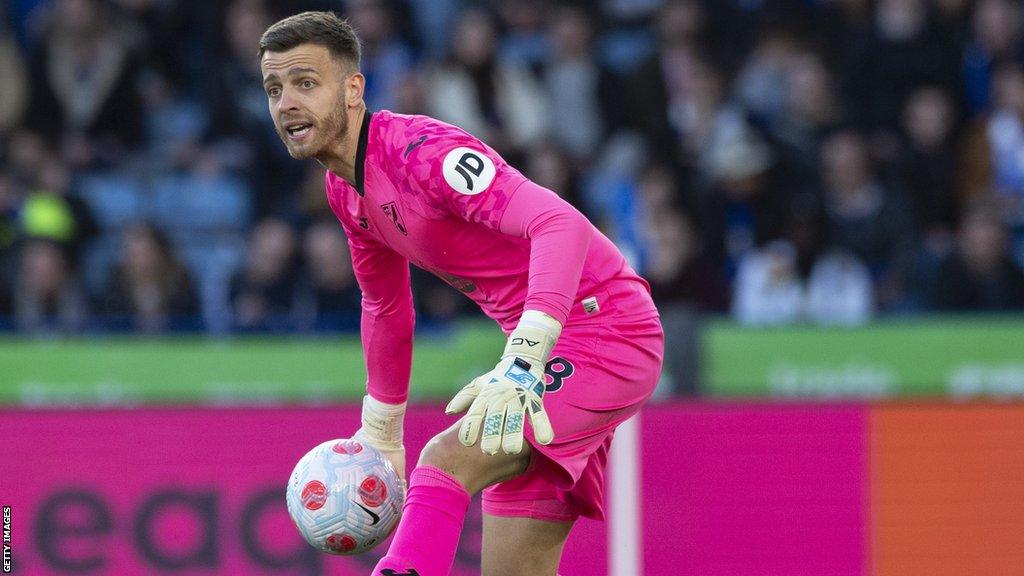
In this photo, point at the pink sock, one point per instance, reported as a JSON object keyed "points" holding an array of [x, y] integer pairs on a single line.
{"points": [[428, 534]]}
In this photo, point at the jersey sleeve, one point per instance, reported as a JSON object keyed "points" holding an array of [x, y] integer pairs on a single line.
{"points": [[388, 318], [559, 242], [470, 180]]}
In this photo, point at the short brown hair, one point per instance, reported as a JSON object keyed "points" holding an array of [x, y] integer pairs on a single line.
{"points": [[322, 28]]}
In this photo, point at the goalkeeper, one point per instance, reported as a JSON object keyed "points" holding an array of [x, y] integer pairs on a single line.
{"points": [[584, 344]]}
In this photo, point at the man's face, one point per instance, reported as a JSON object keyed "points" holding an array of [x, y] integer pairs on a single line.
{"points": [[306, 94]]}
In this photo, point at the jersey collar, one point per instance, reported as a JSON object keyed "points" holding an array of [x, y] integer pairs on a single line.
{"points": [[364, 136]]}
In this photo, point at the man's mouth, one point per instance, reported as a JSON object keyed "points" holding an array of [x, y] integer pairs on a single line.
{"points": [[297, 130]]}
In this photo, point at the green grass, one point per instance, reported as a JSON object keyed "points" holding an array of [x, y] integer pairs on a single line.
{"points": [[959, 356], [247, 370], [906, 356]]}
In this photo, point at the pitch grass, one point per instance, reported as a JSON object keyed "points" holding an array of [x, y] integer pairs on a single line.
{"points": [[231, 371]]}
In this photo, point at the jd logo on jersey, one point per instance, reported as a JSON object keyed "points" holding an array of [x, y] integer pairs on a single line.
{"points": [[468, 171]]}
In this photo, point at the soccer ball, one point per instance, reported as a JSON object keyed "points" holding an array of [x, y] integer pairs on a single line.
{"points": [[345, 497]]}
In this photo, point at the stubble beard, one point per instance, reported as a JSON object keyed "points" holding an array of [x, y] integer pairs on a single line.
{"points": [[334, 128]]}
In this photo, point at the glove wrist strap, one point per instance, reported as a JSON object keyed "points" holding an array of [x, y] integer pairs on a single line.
{"points": [[534, 337], [382, 421]]}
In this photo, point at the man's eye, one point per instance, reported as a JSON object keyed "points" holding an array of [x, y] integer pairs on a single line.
{"points": [[308, 83], [274, 92]]}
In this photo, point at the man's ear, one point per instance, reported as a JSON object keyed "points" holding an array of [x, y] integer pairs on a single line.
{"points": [[355, 86]]}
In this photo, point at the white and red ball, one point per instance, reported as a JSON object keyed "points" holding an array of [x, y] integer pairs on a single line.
{"points": [[345, 497]]}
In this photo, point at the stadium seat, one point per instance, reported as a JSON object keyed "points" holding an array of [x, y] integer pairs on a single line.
{"points": [[116, 199], [202, 203]]}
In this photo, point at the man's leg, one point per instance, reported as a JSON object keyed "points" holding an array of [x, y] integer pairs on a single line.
{"points": [[440, 486], [515, 546]]}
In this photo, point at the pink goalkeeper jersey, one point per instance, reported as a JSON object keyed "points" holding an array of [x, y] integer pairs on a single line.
{"points": [[429, 194]]}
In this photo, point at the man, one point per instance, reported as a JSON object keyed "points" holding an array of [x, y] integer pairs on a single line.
{"points": [[410, 189]]}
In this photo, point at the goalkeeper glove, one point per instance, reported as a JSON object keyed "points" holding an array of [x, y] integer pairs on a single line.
{"points": [[382, 428], [500, 400]]}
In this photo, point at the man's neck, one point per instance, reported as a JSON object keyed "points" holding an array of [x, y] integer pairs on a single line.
{"points": [[341, 159]]}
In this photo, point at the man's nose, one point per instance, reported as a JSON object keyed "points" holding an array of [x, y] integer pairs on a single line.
{"points": [[288, 101]]}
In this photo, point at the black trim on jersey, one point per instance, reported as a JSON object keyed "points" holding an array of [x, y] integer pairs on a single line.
{"points": [[364, 136]]}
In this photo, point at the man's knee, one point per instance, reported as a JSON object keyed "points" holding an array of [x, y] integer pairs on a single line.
{"points": [[474, 469]]}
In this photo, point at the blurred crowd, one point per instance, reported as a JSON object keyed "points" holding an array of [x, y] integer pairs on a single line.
{"points": [[779, 161]]}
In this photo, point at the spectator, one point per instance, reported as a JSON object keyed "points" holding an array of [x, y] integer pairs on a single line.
{"points": [[672, 94], [84, 79], [1005, 133], [839, 291], [15, 88], [149, 288], [242, 131], [386, 59], [51, 211], [410, 93], [927, 164], [549, 166], [836, 25], [903, 51], [678, 267], [263, 294], [686, 285], [10, 198], [855, 132], [580, 90], [496, 101], [761, 84], [743, 205], [47, 298], [740, 25], [863, 215], [174, 127], [810, 111], [800, 277], [524, 36], [331, 296], [997, 40], [658, 189], [166, 32], [979, 275], [994, 157], [28, 153], [313, 205], [768, 290], [429, 18], [954, 16]]}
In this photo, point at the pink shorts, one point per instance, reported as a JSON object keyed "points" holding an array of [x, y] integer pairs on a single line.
{"points": [[600, 374]]}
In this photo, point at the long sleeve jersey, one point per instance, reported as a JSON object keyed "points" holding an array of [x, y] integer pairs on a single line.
{"points": [[430, 194]]}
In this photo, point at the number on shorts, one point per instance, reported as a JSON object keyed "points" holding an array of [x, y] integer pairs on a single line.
{"points": [[558, 369]]}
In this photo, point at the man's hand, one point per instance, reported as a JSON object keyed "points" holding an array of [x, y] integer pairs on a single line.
{"points": [[500, 400], [383, 429]]}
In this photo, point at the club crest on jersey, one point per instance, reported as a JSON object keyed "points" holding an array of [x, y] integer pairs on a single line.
{"points": [[468, 171], [391, 211]]}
